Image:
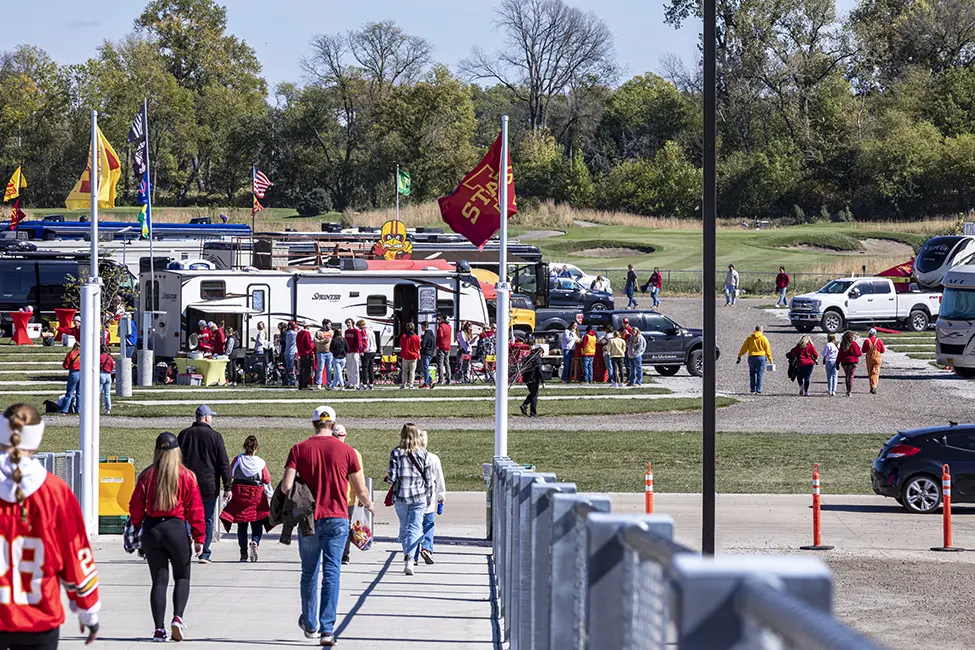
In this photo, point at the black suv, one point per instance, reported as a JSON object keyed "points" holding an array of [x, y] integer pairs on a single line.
{"points": [[669, 346], [909, 466]]}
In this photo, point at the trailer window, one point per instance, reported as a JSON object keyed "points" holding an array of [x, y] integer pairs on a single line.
{"points": [[257, 300], [445, 307], [155, 297], [376, 305], [213, 289]]}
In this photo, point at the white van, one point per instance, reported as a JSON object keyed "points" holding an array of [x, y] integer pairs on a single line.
{"points": [[956, 323]]}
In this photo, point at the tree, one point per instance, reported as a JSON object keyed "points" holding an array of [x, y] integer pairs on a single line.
{"points": [[549, 49], [667, 185]]}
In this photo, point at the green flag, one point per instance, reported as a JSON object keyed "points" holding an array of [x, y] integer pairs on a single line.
{"points": [[402, 182]]}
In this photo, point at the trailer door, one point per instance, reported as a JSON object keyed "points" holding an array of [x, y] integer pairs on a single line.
{"points": [[405, 307], [258, 297]]}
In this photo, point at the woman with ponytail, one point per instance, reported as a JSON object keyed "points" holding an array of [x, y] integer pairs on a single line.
{"points": [[166, 500], [42, 534]]}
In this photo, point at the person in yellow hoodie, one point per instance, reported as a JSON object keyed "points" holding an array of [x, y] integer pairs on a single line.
{"points": [[759, 352]]}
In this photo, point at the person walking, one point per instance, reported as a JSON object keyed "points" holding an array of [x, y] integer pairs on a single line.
{"points": [[435, 507], [260, 340], [531, 375], [444, 337], [353, 343], [289, 350], [570, 338], [731, 281], [654, 284], [306, 355], [465, 351], [368, 360], [782, 281], [629, 289], [409, 353], [340, 432], [848, 358], [166, 505], [250, 501], [204, 453], [635, 347], [327, 466], [830, 353], [873, 349], [339, 350], [617, 355], [428, 350], [72, 363], [323, 354], [106, 366], [759, 352], [588, 353], [411, 476], [45, 543], [805, 356]]}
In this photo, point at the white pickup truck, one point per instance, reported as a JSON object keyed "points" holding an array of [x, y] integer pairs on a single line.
{"points": [[863, 301]]}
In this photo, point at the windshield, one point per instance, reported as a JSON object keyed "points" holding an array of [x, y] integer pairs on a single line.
{"points": [[837, 286], [934, 253], [958, 304]]}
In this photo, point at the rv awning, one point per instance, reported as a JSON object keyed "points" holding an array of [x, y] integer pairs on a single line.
{"points": [[211, 308]]}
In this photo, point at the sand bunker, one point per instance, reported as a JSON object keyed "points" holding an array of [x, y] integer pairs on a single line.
{"points": [[613, 252], [875, 247]]}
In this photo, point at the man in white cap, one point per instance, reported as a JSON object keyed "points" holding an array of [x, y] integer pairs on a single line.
{"points": [[327, 466]]}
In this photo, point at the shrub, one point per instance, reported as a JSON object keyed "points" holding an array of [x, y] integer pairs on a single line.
{"points": [[314, 202], [843, 216]]}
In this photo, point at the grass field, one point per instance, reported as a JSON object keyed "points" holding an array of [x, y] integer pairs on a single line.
{"points": [[607, 461]]}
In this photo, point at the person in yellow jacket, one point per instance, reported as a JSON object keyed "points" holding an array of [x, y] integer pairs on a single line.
{"points": [[759, 352]]}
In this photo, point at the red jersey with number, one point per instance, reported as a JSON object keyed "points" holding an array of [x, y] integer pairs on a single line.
{"points": [[50, 549]]}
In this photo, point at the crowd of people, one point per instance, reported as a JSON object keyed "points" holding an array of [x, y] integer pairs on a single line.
{"points": [[622, 350]]}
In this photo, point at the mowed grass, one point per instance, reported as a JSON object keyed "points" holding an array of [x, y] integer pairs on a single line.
{"points": [[601, 461]]}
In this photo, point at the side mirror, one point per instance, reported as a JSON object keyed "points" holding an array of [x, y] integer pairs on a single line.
{"points": [[854, 293]]}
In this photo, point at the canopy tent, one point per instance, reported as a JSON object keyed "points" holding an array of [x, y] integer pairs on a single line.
{"points": [[900, 275]]}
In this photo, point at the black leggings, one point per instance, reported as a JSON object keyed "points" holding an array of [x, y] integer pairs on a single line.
{"points": [[368, 369], [166, 542], [30, 640]]}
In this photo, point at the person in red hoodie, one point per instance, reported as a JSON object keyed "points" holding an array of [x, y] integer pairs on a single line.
{"points": [[782, 286], [805, 355], [165, 504], [106, 366], [218, 338], [444, 339], [250, 504], [409, 353], [72, 363], [848, 358], [306, 355], [353, 341], [203, 341]]}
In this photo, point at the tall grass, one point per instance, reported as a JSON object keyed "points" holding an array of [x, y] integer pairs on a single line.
{"points": [[932, 227]]}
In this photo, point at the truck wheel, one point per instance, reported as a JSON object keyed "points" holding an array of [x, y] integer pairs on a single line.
{"points": [[832, 322], [805, 328], [599, 307], [667, 371], [695, 363], [918, 321]]}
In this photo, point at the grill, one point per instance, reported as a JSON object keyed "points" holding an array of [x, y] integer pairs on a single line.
{"points": [[948, 348], [801, 306]]}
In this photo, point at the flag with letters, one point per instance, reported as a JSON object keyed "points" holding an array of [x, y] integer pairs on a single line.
{"points": [[145, 215], [16, 183], [137, 136], [16, 215]]}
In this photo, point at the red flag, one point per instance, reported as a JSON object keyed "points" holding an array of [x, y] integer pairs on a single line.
{"points": [[16, 215], [472, 210]]}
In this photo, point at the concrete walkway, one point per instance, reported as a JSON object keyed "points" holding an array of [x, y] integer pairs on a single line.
{"points": [[234, 605]]}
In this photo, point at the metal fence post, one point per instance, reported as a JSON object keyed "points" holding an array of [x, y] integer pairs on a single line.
{"points": [[504, 558], [541, 544], [706, 613], [568, 600], [497, 541], [511, 558], [522, 620], [607, 584]]}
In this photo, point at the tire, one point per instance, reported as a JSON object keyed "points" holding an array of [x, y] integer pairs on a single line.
{"points": [[667, 371], [921, 494], [832, 322], [695, 363], [918, 321], [599, 307], [967, 373], [805, 328]]}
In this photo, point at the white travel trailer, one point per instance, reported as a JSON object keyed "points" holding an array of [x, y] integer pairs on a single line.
{"points": [[387, 300], [956, 322]]}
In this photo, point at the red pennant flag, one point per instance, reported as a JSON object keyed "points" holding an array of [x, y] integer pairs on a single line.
{"points": [[16, 215], [472, 210]]}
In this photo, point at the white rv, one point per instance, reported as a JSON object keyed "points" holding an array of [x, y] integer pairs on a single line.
{"points": [[956, 323], [387, 300]]}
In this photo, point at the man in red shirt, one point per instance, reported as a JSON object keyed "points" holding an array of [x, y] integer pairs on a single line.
{"points": [[782, 286], [306, 354], [328, 466], [203, 343], [409, 353], [444, 339]]}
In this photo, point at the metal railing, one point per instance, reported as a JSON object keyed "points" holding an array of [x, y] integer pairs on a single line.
{"points": [[66, 466], [571, 574]]}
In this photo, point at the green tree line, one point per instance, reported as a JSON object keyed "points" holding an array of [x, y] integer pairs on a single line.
{"points": [[820, 116]]}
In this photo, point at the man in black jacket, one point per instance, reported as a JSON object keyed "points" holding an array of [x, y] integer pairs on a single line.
{"points": [[428, 349], [205, 454], [531, 375]]}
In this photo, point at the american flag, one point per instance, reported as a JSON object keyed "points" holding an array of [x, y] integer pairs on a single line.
{"points": [[261, 183]]}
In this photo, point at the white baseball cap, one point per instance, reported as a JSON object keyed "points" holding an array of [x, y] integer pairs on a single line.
{"points": [[323, 414]]}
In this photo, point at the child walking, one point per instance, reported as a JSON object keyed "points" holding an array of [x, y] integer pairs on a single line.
{"points": [[249, 503]]}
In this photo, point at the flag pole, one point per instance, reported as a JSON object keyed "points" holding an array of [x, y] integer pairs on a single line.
{"points": [[147, 326], [396, 189], [253, 199], [501, 356]]}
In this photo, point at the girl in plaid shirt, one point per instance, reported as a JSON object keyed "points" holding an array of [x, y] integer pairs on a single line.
{"points": [[411, 475]]}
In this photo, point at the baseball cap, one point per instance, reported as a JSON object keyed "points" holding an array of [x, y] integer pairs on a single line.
{"points": [[871, 331], [323, 414], [203, 410], [202, 323], [166, 440], [339, 431]]}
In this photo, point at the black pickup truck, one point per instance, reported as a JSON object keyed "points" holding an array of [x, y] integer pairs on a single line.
{"points": [[566, 299]]}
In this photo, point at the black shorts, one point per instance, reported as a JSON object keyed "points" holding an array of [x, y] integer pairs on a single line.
{"points": [[30, 640]]}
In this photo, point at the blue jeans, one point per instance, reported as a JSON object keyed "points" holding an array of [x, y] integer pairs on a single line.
{"points": [[782, 298], [289, 369], [210, 515], [257, 532], [74, 378], [324, 368], [730, 294], [425, 369], [338, 379], [426, 541], [322, 550], [410, 525], [655, 294], [756, 371], [610, 371], [105, 384], [587, 369], [832, 370], [635, 371], [628, 292], [567, 365]]}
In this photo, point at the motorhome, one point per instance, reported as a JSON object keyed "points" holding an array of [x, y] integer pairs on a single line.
{"points": [[940, 254], [956, 322], [386, 299]]}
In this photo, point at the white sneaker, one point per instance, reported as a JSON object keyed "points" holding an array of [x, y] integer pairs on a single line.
{"points": [[408, 567]]}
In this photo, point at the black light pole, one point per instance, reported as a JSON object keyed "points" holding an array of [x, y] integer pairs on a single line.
{"points": [[709, 213]]}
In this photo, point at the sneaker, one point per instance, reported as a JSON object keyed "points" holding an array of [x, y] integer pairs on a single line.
{"points": [[252, 548], [426, 555], [243, 556], [204, 560], [309, 634], [327, 639], [160, 636], [177, 628], [524, 409], [345, 559], [407, 568]]}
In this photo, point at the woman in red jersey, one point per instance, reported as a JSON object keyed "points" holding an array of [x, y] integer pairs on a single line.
{"points": [[42, 542], [167, 499]]}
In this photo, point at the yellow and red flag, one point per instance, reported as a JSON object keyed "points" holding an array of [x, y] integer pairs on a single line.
{"points": [[109, 172], [17, 182], [16, 215]]}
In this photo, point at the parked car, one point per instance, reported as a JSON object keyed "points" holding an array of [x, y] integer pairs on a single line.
{"points": [[566, 299], [669, 345], [909, 466], [862, 300], [578, 274]]}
